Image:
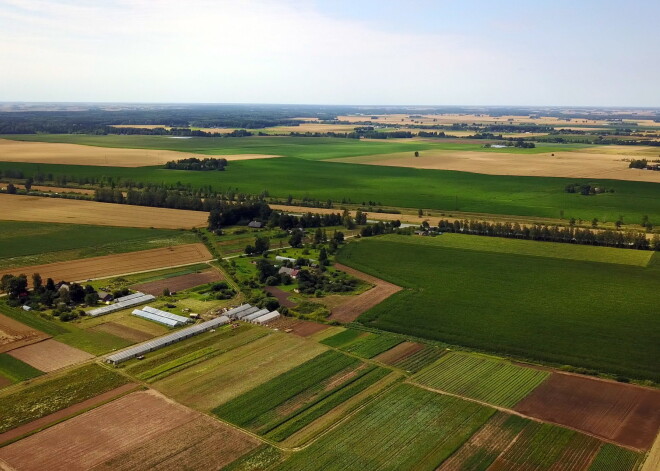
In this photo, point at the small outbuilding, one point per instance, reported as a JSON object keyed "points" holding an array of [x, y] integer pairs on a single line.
{"points": [[255, 225]]}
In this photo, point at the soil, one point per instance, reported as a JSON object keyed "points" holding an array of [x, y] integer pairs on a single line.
{"points": [[60, 210], [142, 430], [356, 305], [76, 154], [112, 265], [282, 296], [178, 283], [55, 417], [4, 381], [398, 353], [626, 414], [123, 332], [299, 327], [50, 355], [14, 334]]}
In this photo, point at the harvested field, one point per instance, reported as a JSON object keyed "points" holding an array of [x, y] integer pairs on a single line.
{"points": [[62, 414], [123, 332], [299, 327], [179, 283], [399, 353], [583, 163], [14, 334], [44, 209], [76, 154], [652, 462], [128, 434], [113, 265], [50, 355], [356, 305], [282, 296], [625, 414]]}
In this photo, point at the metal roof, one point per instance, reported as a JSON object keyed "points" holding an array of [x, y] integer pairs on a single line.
{"points": [[167, 315], [154, 317], [135, 299], [236, 310], [246, 312], [255, 314], [267, 317]]}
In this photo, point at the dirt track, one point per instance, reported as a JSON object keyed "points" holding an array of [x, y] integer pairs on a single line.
{"points": [[143, 430], [626, 414], [50, 355], [112, 265], [14, 334], [356, 305], [45, 209]]}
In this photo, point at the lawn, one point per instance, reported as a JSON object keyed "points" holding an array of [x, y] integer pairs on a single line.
{"points": [[397, 187], [41, 398], [590, 314], [408, 428], [34, 243], [483, 378]]}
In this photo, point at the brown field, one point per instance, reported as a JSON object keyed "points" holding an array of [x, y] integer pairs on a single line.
{"points": [[356, 305], [143, 430], [587, 163], [14, 334], [298, 326], [398, 353], [4, 382], [76, 154], [626, 414], [178, 283], [119, 264], [62, 414], [122, 331], [282, 296], [44, 209], [50, 355]]}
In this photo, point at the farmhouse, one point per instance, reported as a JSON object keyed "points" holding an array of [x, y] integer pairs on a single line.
{"points": [[104, 297], [292, 272]]}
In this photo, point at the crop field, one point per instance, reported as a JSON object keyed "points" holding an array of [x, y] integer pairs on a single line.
{"points": [[34, 243], [122, 331], [15, 370], [169, 360], [211, 383], [49, 153], [408, 428], [49, 394], [50, 355], [613, 458], [130, 433], [59, 210], [556, 310], [626, 414], [483, 378], [435, 189], [419, 359], [14, 334], [178, 283], [362, 344], [293, 400], [109, 265]]}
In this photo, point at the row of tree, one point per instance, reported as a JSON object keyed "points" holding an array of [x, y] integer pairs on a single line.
{"points": [[571, 235], [194, 163]]}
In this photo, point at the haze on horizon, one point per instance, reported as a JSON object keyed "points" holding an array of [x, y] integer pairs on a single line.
{"points": [[588, 53]]}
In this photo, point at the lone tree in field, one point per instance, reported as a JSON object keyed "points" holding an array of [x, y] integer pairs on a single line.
{"points": [[416, 154], [420, 213]]}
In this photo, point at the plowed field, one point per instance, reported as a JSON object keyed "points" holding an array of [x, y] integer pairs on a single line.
{"points": [[110, 265], [36, 208], [13, 334], [356, 305], [143, 430], [626, 414], [178, 283], [50, 355]]}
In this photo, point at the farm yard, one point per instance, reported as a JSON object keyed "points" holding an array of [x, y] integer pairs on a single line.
{"points": [[517, 296], [109, 265], [60, 210]]}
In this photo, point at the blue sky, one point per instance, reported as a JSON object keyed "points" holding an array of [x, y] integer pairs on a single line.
{"points": [[534, 52]]}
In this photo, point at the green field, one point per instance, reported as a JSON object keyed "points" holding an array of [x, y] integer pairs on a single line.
{"points": [[393, 186], [408, 428], [33, 243], [362, 344], [15, 370], [41, 398], [420, 359], [614, 458], [483, 378], [572, 312]]}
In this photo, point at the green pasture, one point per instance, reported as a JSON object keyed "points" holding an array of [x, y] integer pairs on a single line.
{"points": [[396, 187], [590, 314]]}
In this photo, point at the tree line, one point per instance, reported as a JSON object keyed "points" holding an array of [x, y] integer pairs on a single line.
{"points": [[540, 232], [194, 163]]}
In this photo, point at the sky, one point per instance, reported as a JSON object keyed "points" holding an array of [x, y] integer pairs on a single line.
{"points": [[362, 52]]}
